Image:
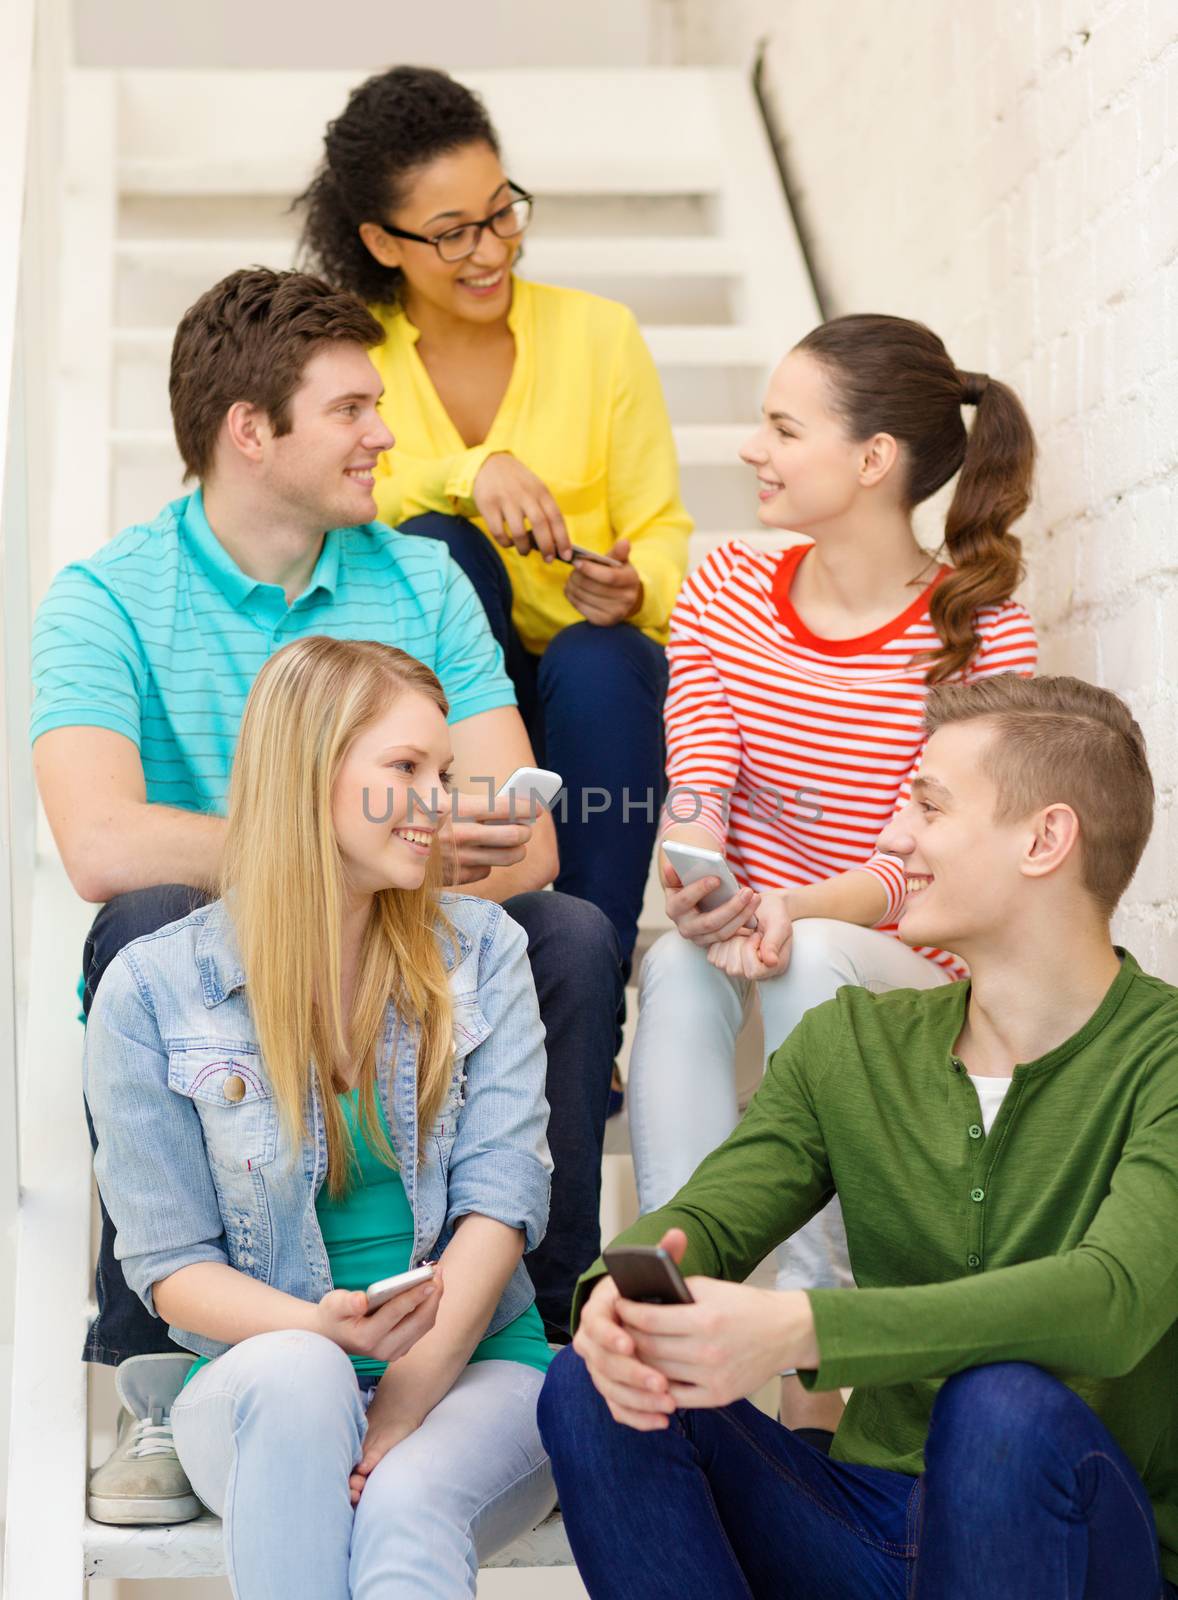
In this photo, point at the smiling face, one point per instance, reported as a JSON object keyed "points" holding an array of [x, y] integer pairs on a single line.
{"points": [[966, 874], [464, 185], [809, 470], [322, 470], [389, 798]]}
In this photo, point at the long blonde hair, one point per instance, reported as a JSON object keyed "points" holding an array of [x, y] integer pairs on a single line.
{"points": [[283, 886]]}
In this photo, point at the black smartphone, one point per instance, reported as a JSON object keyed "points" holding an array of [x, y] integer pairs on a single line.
{"points": [[646, 1272]]}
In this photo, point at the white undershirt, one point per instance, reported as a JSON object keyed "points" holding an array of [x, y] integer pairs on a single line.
{"points": [[991, 1094]]}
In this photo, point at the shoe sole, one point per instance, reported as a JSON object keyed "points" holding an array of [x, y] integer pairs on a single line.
{"points": [[148, 1511]]}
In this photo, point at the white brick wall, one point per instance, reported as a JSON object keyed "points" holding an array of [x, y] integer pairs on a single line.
{"points": [[1007, 171]]}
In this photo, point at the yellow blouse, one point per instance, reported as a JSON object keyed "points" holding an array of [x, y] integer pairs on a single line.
{"points": [[584, 410]]}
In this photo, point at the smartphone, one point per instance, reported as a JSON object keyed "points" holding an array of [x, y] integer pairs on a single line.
{"points": [[531, 786], [388, 1288], [692, 863], [646, 1272], [580, 553]]}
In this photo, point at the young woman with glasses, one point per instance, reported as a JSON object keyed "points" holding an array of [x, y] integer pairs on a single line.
{"points": [[529, 420]]}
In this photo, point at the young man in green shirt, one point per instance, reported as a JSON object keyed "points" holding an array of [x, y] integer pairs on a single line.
{"points": [[1006, 1153]]}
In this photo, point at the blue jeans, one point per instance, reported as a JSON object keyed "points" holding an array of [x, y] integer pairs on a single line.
{"points": [[270, 1431], [593, 708], [1026, 1496], [575, 964]]}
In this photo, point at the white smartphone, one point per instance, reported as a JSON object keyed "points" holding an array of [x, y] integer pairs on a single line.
{"points": [[531, 786], [692, 863], [388, 1288]]}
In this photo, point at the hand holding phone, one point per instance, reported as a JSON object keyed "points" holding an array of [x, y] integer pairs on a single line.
{"points": [[386, 1289], [383, 1332], [692, 863], [529, 789], [647, 1272]]}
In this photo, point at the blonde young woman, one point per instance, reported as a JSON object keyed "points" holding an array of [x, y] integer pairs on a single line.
{"points": [[307, 1086]]}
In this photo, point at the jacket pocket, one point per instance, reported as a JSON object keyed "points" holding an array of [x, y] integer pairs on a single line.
{"points": [[470, 1026], [237, 1111]]}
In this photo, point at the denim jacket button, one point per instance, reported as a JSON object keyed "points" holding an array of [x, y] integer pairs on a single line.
{"points": [[234, 1087]]}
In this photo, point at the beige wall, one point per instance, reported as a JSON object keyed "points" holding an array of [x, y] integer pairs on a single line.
{"points": [[306, 33], [1007, 171]]}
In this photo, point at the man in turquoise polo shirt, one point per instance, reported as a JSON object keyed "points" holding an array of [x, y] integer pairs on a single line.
{"points": [[1006, 1154], [143, 657]]}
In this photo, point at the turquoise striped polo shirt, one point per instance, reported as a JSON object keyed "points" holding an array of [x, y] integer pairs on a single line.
{"points": [[160, 635]]}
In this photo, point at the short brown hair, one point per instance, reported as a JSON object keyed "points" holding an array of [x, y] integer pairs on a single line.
{"points": [[1063, 740], [249, 338]]}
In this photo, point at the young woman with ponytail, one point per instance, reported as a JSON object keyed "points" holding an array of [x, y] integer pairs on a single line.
{"points": [[793, 725]]}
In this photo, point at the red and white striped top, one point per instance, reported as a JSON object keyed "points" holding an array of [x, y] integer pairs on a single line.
{"points": [[797, 751]]}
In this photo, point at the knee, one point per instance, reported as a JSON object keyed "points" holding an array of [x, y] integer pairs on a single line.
{"points": [[296, 1386], [989, 1421], [568, 1405], [674, 963], [560, 926], [448, 530], [588, 660], [141, 911], [818, 956]]}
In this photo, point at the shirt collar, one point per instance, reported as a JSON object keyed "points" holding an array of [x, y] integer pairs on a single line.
{"points": [[236, 585]]}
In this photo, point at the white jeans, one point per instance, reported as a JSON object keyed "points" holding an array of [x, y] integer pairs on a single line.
{"points": [[269, 1432], [681, 1087]]}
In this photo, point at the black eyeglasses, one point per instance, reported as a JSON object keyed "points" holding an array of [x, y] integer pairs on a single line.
{"points": [[455, 244]]}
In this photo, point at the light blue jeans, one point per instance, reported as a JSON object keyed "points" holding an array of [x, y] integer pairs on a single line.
{"points": [[270, 1431], [681, 1086]]}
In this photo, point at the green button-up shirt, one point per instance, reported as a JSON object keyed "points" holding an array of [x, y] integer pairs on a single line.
{"points": [[1053, 1239]]}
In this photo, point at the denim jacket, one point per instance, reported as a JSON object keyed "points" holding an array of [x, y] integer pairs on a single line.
{"points": [[194, 1169]]}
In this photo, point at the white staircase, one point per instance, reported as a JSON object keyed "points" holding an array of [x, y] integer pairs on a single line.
{"points": [[656, 187]]}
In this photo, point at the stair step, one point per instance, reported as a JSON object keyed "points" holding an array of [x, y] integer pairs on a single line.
{"points": [[576, 130], [635, 255], [671, 346], [697, 444]]}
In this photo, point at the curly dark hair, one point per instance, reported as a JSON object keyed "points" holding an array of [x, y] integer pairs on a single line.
{"points": [[392, 125]]}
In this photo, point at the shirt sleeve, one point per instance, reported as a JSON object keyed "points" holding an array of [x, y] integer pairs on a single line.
{"points": [[87, 668], [500, 1166], [406, 488], [702, 734], [1111, 1297], [150, 1162], [470, 661], [1007, 644], [767, 1179], [644, 502]]}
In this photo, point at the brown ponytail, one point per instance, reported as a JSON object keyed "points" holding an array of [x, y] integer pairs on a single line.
{"points": [[890, 375]]}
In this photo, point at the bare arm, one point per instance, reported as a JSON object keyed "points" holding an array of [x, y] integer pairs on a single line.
{"points": [[856, 897], [111, 840], [488, 747], [478, 1260], [222, 1303]]}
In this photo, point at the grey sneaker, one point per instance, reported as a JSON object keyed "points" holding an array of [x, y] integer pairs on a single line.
{"points": [[142, 1481]]}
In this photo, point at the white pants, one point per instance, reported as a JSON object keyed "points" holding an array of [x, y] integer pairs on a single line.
{"points": [[681, 1088], [269, 1432]]}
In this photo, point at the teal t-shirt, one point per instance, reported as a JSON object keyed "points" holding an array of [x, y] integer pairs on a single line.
{"points": [[369, 1235], [160, 635]]}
